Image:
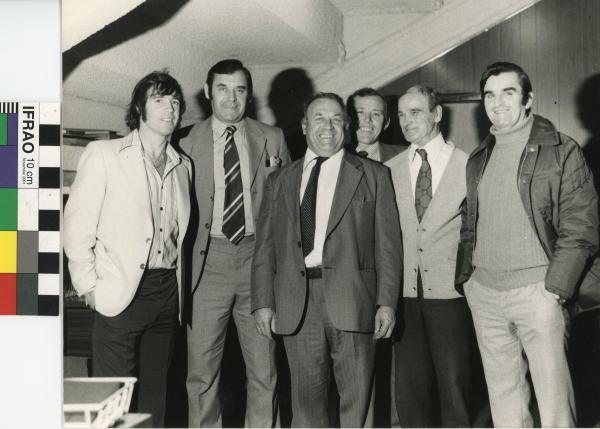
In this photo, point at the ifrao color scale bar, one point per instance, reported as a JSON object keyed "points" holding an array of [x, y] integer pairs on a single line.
{"points": [[30, 199]]}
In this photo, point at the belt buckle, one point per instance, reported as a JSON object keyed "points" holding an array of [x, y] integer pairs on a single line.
{"points": [[314, 272]]}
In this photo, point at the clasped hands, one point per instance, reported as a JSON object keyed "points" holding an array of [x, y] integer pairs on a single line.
{"points": [[385, 320]]}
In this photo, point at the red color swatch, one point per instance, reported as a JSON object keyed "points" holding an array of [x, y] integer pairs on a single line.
{"points": [[8, 294]]}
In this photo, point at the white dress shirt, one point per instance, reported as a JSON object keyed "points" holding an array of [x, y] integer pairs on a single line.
{"points": [[438, 155], [328, 177]]}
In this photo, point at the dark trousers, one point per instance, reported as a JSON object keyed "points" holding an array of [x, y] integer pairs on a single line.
{"points": [[312, 351], [139, 341], [433, 363]]}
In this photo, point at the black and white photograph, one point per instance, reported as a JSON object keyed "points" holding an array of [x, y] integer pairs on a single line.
{"points": [[330, 213]]}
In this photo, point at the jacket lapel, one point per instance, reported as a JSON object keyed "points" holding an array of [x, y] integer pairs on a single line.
{"points": [[292, 192], [351, 172], [131, 163], [257, 142], [202, 154], [182, 182]]}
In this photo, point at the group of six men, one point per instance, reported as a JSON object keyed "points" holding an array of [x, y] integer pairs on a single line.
{"points": [[327, 251]]}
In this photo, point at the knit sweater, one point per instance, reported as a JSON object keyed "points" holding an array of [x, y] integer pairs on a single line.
{"points": [[507, 254]]}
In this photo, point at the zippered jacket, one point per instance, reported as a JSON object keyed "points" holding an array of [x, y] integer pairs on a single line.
{"points": [[558, 194]]}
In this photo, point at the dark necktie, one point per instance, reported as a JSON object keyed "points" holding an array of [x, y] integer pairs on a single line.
{"points": [[362, 153], [233, 208], [308, 208], [423, 187]]}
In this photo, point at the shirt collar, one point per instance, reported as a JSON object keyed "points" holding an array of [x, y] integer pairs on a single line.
{"points": [[219, 127], [172, 155], [310, 156], [433, 148], [370, 148]]}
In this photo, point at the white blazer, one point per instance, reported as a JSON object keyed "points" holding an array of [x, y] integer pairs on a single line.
{"points": [[108, 225]]}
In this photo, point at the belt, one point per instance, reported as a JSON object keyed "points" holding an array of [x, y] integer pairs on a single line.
{"points": [[314, 272]]}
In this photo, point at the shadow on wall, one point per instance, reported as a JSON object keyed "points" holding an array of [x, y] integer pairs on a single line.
{"points": [[140, 20], [482, 123], [588, 109], [289, 90], [585, 339]]}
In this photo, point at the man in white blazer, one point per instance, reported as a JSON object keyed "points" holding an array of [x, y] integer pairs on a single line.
{"points": [[433, 351], [124, 225]]}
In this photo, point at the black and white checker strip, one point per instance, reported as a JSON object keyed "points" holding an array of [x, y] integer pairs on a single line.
{"points": [[9, 107], [49, 205]]}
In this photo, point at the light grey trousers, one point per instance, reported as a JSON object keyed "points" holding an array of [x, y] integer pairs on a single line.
{"points": [[520, 329], [224, 291]]}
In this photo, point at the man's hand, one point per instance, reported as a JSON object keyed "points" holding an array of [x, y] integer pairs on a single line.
{"points": [[90, 300], [385, 320], [265, 321]]}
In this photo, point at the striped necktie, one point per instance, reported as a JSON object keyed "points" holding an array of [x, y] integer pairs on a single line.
{"points": [[233, 209]]}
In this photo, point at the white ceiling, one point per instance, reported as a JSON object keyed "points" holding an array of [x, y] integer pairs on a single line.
{"points": [[385, 7], [337, 45]]}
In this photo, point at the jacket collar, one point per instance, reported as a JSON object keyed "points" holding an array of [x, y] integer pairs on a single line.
{"points": [[543, 133]]}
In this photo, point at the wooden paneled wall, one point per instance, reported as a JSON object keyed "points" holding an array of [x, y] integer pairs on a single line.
{"points": [[557, 42]]}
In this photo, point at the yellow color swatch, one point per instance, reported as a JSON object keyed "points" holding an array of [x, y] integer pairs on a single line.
{"points": [[8, 251]]}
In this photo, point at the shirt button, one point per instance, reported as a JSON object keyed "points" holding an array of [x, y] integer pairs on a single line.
{"points": [[160, 229], [299, 244], [203, 252], [207, 225], [420, 250], [212, 198], [161, 209], [302, 273], [415, 270], [159, 252], [142, 266], [423, 270]]}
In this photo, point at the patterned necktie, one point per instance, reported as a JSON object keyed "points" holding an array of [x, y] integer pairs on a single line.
{"points": [[233, 209], [423, 188], [362, 153], [308, 208]]}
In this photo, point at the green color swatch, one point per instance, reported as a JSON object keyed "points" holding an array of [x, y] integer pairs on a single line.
{"points": [[3, 129], [8, 211]]}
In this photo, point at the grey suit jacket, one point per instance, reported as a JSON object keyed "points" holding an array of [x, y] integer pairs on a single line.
{"points": [[264, 143], [362, 255]]}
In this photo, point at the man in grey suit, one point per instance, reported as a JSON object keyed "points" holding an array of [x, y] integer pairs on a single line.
{"points": [[434, 348], [369, 117], [232, 156], [327, 267]]}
